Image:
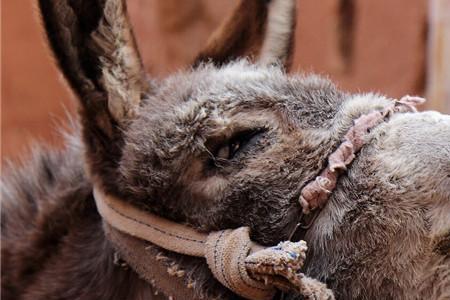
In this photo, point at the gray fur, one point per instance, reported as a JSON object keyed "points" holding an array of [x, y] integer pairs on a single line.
{"points": [[383, 235]]}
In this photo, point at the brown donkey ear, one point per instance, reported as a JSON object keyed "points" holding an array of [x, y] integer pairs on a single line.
{"points": [[262, 29], [95, 48]]}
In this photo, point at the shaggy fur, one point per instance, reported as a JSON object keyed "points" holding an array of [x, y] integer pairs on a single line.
{"points": [[383, 235]]}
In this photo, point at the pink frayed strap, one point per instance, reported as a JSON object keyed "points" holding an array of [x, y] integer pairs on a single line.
{"points": [[316, 193]]}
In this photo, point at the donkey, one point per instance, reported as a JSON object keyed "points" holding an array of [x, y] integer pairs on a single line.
{"points": [[230, 142]]}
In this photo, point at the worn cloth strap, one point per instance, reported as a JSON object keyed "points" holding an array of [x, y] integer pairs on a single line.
{"points": [[316, 193], [144, 225], [244, 267], [226, 253], [146, 261]]}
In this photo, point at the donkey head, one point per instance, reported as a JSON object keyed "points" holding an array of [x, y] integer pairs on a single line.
{"points": [[232, 141]]}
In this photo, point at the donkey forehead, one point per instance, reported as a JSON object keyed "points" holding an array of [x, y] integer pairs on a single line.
{"points": [[209, 93]]}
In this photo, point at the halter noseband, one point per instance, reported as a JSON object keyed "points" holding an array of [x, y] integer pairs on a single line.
{"points": [[315, 194]]}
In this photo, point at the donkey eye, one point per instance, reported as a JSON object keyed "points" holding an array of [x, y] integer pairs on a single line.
{"points": [[237, 143], [228, 151]]}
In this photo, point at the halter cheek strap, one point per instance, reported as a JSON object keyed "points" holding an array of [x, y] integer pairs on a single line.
{"points": [[248, 269]]}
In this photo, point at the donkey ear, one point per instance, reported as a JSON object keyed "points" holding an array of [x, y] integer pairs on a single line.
{"points": [[256, 28], [95, 48]]}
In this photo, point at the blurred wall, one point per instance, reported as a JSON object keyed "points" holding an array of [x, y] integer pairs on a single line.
{"points": [[365, 45], [33, 96]]}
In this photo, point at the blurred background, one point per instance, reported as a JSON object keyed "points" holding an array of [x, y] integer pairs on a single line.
{"points": [[391, 47]]}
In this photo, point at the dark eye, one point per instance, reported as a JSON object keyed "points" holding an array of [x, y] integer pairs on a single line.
{"points": [[237, 143]]}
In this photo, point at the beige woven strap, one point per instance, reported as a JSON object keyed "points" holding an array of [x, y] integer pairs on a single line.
{"points": [[144, 225], [244, 267]]}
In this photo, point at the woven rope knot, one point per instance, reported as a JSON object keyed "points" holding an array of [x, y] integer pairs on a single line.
{"points": [[254, 272]]}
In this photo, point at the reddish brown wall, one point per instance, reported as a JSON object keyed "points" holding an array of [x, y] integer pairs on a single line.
{"points": [[387, 41], [388, 44], [32, 93]]}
